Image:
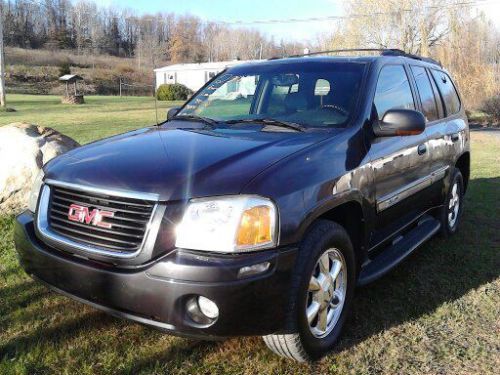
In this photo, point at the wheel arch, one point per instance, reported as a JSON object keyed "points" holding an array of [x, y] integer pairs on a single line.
{"points": [[350, 214], [463, 164]]}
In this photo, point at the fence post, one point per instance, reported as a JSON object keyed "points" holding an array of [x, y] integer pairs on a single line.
{"points": [[120, 87]]}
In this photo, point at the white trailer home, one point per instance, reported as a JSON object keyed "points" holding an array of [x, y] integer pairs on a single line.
{"points": [[193, 76]]}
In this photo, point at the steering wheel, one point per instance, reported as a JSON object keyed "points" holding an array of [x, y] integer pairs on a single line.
{"points": [[336, 108]]}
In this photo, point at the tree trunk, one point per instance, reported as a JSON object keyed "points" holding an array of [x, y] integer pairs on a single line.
{"points": [[3, 104]]}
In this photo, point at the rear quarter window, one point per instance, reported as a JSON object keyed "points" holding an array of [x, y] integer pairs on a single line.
{"points": [[448, 92]]}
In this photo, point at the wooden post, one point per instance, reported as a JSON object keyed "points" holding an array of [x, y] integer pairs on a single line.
{"points": [[3, 103], [120, 87]]}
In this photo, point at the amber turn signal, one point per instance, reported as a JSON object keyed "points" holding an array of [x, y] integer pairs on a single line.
{"points": [[255, 227]]}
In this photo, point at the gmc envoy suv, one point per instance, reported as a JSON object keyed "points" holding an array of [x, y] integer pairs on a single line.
{"points": [[261, 203]]}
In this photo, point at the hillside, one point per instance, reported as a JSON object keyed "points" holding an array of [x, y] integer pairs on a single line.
{"points": [[32, 71]]}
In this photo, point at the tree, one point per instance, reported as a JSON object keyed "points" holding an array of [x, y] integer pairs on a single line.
{"points": [[450, 31], [3, 102], [411, 25]]}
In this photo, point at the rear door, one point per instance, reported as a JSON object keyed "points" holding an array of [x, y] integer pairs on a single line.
{"points": [[430, 105], [399, 163], [447, 134]]}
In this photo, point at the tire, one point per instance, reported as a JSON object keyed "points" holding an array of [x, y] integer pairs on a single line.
{"points": [[326, 243], [451, 212]]}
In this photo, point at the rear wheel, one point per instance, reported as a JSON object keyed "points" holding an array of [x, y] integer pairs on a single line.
{"points": [[321, 294], [451, 212]]}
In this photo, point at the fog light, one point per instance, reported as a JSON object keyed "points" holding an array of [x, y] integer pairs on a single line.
{"points": [[253, 270], [208, 307]]}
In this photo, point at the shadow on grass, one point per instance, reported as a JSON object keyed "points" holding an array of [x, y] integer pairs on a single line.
{"points": [[21, 295], [193, 350], [69, 329], [443, 270], [9, 272]]}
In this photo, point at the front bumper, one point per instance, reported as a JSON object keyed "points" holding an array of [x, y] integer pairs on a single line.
{"points": [[156, 293]]}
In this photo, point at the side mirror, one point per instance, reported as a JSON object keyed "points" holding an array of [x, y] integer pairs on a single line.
{"points": [[172, 112], [399, 122]]}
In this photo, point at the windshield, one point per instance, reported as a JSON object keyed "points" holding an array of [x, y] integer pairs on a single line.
{"points": [[311, 94]]}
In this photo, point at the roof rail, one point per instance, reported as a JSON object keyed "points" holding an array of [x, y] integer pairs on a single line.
{"points": [[382, 52]]}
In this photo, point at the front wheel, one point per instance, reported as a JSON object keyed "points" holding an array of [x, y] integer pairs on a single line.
{"points": [[321, 294]]}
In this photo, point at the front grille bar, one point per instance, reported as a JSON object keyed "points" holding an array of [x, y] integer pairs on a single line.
{"points": [[132, 229]]}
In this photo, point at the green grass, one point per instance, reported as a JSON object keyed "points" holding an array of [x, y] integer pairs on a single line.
{"points": [[99, 117], [437, 313]]}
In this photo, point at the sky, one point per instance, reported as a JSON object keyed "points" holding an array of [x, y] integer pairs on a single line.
{"points": [[248, 10], [251, 10]]}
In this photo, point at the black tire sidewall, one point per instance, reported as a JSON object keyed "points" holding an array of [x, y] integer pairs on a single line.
{"points": [[325, 236]]}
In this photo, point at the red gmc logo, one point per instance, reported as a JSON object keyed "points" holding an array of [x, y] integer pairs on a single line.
{"points": [[82, 214]]}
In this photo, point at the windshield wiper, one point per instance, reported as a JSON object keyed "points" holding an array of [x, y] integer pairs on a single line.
{"points": [[205, 120], [269, 121]]}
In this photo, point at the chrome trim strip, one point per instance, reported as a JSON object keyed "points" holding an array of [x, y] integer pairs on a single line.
{"points": [[117, 193], [56, 240], [406, 191]]}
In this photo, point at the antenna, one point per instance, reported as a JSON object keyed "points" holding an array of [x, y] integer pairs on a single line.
{"points": [[156, 100]]}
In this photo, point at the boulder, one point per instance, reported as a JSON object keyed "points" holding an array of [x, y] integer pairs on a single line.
{"points": [[24, 149]]}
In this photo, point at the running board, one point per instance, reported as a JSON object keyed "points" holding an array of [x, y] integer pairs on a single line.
{"points": [[399, 250]]}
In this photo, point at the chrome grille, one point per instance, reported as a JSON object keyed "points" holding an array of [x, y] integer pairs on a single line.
{"points": [[128, 225]]}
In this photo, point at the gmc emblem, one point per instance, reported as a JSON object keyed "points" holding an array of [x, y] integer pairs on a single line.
{"points": [[82, 214]]}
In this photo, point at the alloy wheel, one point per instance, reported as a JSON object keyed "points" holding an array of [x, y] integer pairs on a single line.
{"points": [[326, 293], [454, 205]]}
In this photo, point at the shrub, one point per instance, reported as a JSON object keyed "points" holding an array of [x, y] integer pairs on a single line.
{"points": [[491, 107], [173, 92], [64, 68], [124, 69]]}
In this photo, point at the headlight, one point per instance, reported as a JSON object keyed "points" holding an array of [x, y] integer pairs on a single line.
{"points": [[228, 224], [35, 191]]}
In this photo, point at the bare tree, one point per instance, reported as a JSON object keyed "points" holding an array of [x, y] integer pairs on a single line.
{"points": [[411, 25], [3, 103], [466, 43]]}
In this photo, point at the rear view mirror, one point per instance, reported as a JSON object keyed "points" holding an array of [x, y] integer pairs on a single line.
{"points": [[172, 112], [399, 122], [285, 79]]}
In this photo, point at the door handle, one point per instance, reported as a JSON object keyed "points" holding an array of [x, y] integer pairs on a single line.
{"points": [[454, 137], [422, 149]]}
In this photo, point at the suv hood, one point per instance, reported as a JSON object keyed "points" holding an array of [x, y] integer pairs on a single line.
{"points": [[178, 164]]}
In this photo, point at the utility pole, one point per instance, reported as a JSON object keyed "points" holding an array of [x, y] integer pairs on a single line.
{"points": [[3, 104]]}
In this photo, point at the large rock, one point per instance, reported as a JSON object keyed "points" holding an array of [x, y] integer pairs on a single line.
{"points": [[24, 149]]}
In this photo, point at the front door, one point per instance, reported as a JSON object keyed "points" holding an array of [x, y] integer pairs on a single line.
{"points": [[400, 164]]}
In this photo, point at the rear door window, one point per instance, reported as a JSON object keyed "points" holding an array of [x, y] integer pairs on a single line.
{"points": [[437, 95], [448, 92], [425, 92], [393, 90]]}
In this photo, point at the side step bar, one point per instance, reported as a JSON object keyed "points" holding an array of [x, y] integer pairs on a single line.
{"points": [[395, 253]]}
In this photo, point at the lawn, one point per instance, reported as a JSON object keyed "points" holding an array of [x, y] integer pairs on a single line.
{"points": [[99, 117], [437, 313]]}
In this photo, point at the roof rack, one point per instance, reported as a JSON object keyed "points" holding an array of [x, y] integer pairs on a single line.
{"points": [[382, 51]]}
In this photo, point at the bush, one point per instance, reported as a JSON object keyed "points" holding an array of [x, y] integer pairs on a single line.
{"points": [[64, 68], [173, 92], [491, 107]]}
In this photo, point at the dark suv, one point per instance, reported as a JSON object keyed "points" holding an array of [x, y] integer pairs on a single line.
{"points": [[258, 206]]}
